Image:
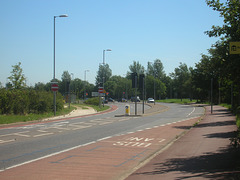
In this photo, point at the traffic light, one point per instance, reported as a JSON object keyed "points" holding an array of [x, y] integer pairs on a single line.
{"points": [[134, 80], [141, 80]]}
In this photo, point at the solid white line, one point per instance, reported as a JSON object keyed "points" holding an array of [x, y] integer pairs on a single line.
{"points": [[50, 155], [191, 112], [105, 138]]}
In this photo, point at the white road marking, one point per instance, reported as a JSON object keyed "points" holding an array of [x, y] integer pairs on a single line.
{"points": [[191, 112]]}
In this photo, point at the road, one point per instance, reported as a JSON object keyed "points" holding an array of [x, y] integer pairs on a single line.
{"points": [[30, 142]]}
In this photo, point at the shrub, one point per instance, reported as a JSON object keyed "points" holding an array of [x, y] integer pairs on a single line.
{"points": [[92, 101], [27, 101]]}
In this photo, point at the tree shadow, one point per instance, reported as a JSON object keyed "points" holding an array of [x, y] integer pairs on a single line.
{"points": [[219, 165], [225, 135], [211, 124]]}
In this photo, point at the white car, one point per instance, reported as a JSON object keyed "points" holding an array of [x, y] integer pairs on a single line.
{"points": [[150, 100]]}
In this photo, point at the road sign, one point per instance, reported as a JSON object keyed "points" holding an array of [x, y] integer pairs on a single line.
{"points": [[100, 90], [234, 47], [54, 87], [95, 94]]}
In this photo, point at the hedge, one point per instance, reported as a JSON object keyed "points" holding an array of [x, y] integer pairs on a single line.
{"points": [[26, 101]]}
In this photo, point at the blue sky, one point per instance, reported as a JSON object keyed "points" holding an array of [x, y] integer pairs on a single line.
{"points": [[135, 30]]}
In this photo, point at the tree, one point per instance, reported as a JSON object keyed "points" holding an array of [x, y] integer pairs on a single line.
{"points": [[230, 11], [118, 87], [136, 67], [227, 65], [160, 88], [156, 69], [104, 73], [17, 79], [64, 85], [181, 79]]}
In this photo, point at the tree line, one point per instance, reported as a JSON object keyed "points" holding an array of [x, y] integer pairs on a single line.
{"points": [[217, 71]]}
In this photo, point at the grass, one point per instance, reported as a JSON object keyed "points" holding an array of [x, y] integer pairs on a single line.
{"points": [[184, 101], [8, 119]]}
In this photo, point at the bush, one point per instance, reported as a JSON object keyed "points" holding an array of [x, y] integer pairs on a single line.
{"points": [[26, 101], [92, 101]]}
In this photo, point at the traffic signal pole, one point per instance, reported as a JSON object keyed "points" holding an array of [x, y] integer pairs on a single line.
{"points": [[135, 94], [143, 96]]}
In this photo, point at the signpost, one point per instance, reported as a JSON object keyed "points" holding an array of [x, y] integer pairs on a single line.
{"points": [[234, 48], [54, 88]]}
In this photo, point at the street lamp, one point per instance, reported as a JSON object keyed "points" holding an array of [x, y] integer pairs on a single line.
{"points": [[54, 70], [154, 74], [104, 54], [85, 79], [104, 66]]}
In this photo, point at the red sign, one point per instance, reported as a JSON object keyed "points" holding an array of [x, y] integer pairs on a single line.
{"points": [[54, 87], [100, 90]]}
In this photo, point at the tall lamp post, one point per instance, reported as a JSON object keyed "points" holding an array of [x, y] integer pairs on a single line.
{"points": [[104, 64], [85, 79], [104, 54], [103, 67], [54, 62], [154, 74]]}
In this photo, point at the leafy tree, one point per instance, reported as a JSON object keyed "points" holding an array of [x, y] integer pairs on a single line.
{"points": [[226, 66], [64, 84], [118, 87], [230, 11], [160, 88], [181, 78], [156, 69], [103, 75], [136, 67], [17, 79]]}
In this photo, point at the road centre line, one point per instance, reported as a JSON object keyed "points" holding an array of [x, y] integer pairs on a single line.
{"points": [[72, 148]]}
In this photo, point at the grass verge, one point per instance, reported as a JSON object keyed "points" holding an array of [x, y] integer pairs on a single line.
{"points": [[8, 119], [179, 101]]}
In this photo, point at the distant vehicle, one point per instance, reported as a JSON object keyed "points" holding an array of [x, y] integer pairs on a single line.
{"points": [[104, 100], [110, 100], [150, 100], [133, 99], [122, 100]]}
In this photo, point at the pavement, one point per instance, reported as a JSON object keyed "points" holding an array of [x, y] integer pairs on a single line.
{"points": [[204, 152], [180, 150]]}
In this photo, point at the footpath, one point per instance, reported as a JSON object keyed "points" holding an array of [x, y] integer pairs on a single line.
{"points": [[202, 153], [178, 150]]}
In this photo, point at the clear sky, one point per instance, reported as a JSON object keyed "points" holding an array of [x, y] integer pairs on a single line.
{"points": [[140, 30]]}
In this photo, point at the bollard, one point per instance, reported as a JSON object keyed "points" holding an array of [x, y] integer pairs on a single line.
{"points": [[127, 110]]}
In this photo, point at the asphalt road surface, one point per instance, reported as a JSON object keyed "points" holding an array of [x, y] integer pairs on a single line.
{"points": [[29, 142]]}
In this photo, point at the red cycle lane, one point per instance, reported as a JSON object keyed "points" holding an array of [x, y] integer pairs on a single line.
{"points": [[109, 158]]}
